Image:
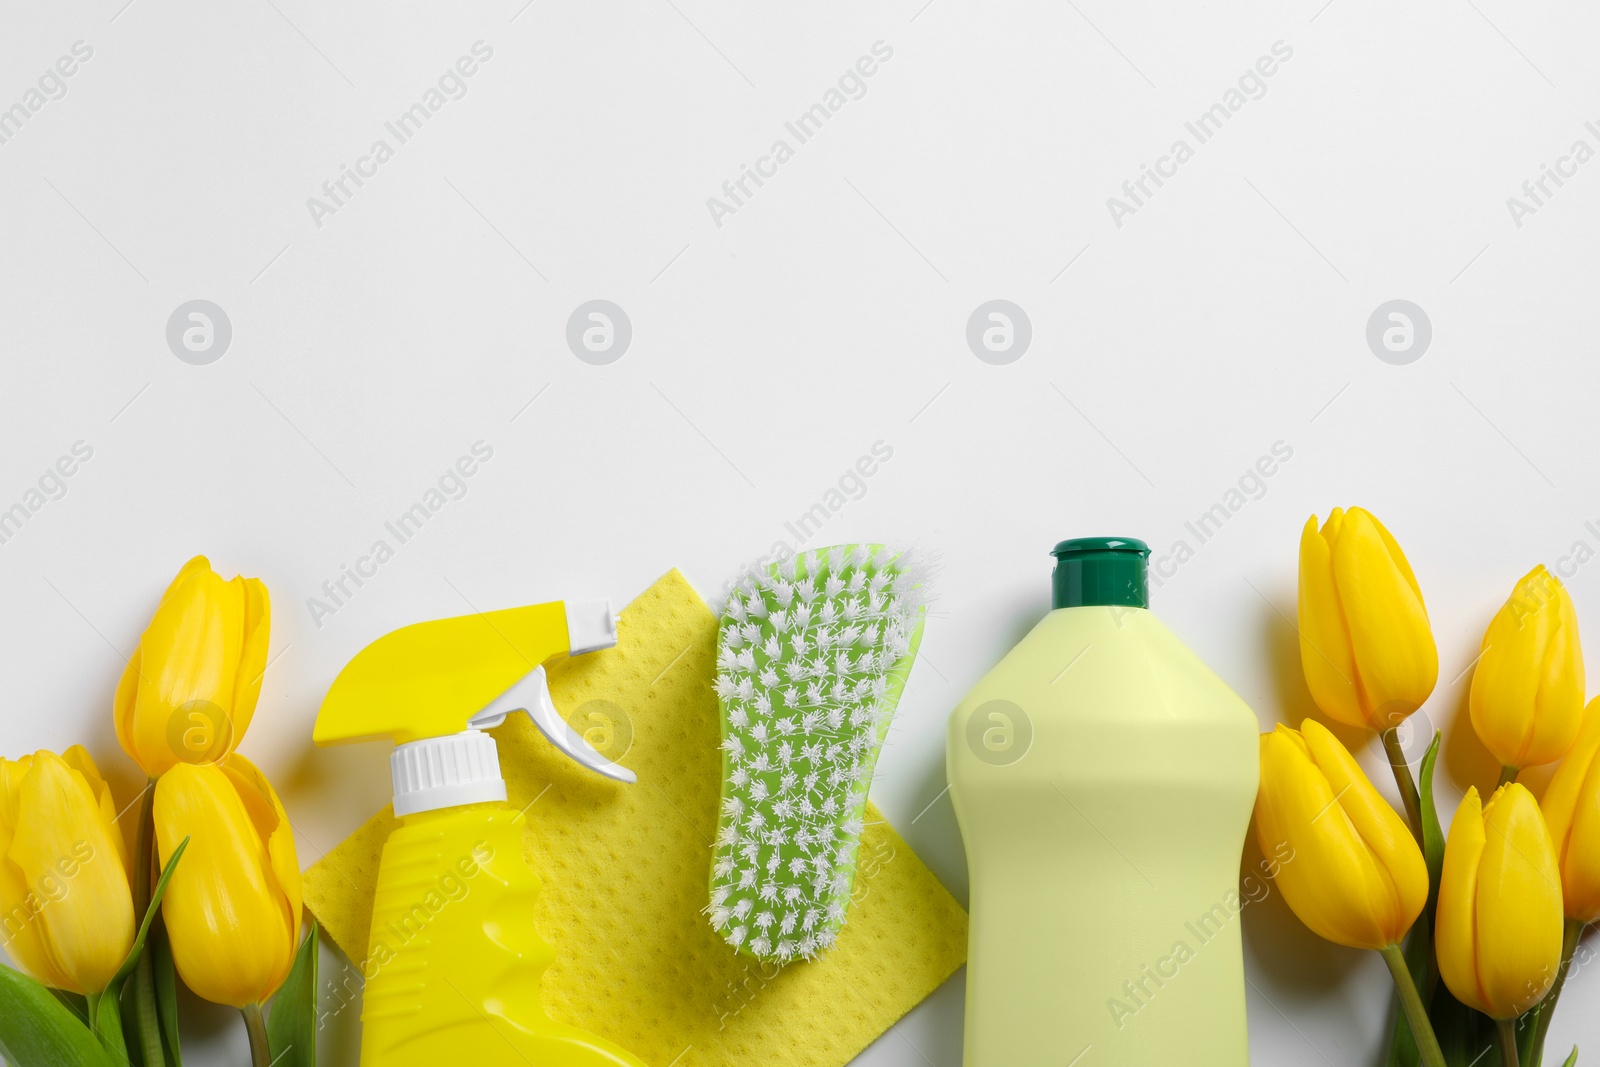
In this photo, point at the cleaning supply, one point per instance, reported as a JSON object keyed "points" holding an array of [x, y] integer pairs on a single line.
{"points": [[1103, 779], [625, 870], [454, 962], [814, 655]]}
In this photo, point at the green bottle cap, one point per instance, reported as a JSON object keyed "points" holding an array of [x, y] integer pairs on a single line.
{"points": [[1100, 570]]}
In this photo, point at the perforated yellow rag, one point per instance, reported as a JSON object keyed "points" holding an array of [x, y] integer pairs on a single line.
{"points": [[626, 868]]}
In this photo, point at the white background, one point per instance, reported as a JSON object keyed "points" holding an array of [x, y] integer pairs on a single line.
{"points": [[768, 354]]}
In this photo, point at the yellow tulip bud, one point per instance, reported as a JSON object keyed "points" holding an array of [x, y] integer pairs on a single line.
{"points": [[190, 688], [1571, 807], [232, 907], [1498, 927], [1365, 644], [1356, 876], [1527, 689], [68, 909]]}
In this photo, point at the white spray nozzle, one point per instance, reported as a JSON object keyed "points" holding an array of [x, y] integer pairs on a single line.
{"points": [[590, 626], [532, 694]]}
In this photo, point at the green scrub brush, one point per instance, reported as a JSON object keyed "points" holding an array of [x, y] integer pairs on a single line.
{"points": [[813, 656]]}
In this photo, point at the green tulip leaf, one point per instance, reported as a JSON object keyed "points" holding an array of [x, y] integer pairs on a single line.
{"points": [[149, 916], [1572, 1059], [1432, 836], [108, 1025], [166, 993], [130, 1024], [292, 1022], [37, 1030]]}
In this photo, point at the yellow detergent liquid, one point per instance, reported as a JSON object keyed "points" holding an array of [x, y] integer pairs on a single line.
{"points": [[1103, 778], [454, 961]]}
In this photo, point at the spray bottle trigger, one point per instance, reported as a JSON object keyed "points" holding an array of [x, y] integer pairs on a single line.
{"points": [[531, 693]]}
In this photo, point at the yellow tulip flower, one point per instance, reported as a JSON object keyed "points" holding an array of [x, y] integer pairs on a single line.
{"points": [[68, 910], [1357, 876], [233, 905], [1571, 807], [190, 688], [1365, 643], [1527, 690], [1498, 926]]}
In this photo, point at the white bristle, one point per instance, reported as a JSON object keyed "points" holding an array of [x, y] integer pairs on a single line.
{"points": [[803, 674]]}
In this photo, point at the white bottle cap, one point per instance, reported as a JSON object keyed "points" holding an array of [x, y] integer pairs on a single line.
{"points": [[442, 772]]}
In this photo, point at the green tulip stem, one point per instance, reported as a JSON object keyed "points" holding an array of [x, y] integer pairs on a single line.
{"points": [[93, 1000], [260, 1054], [1403, 779], [1507, 1029], [1411, 1004], [146, 1027], [1507, 776], [1547, 1007]]}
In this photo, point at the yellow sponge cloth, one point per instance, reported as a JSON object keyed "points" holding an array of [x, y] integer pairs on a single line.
{"points": [[626, 870]]}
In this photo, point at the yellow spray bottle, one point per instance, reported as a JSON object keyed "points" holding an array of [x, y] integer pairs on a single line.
{"points": [[454, 962]]}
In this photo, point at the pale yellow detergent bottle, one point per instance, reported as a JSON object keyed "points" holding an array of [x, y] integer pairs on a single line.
{"points": [[454, 962], [1103, 778]]}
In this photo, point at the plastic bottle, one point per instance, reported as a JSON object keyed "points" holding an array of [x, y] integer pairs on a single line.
{"points": [[1103, 779], [454, 962]]}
